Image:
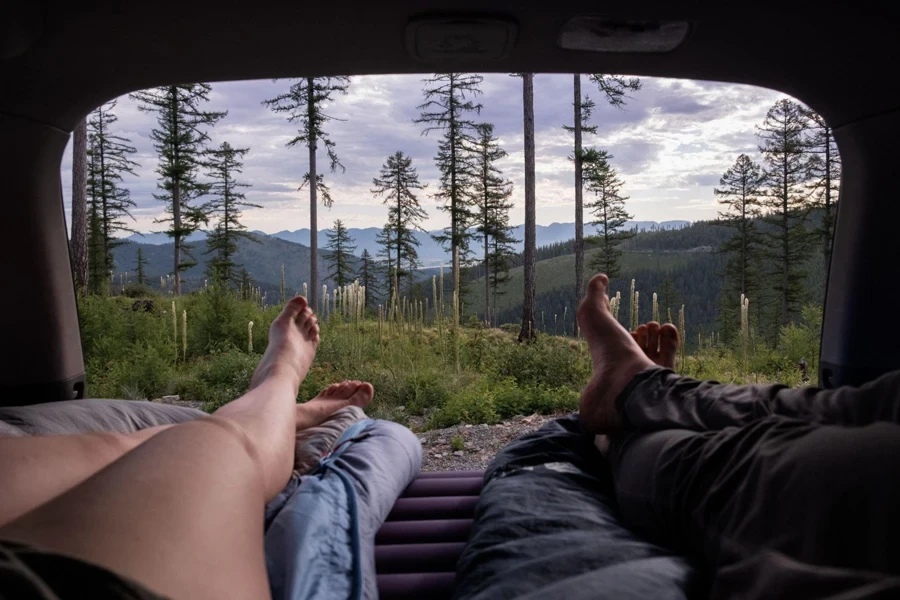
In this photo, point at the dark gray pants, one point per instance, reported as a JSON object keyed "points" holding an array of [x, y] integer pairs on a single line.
{"points": [[780, 492]]}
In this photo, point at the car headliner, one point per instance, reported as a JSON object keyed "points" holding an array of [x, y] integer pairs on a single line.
{"points": [[89, 52]]}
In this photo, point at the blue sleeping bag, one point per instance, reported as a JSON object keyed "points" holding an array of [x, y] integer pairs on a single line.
{"points": [[546, 526]]}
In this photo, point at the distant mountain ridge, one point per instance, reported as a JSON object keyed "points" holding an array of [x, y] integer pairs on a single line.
{"points": [[431, 253], [263, 260]]}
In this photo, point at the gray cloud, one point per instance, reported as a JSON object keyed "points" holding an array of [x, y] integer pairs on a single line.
{"points": [[671, 143]]}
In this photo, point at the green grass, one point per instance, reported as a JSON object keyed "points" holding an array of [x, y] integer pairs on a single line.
{"points": [[133, 353], [559, 272]]}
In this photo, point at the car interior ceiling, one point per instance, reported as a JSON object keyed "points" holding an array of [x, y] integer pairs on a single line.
{"points": [[59, 60]]}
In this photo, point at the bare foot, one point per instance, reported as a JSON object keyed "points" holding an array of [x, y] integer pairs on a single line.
{"points": [[616, 358], [332, 399], [659, 342], [293, 339]]}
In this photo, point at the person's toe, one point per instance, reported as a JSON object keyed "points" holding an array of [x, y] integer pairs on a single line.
{"points": [[362, 395], [594, 302], [308, 325], [653, 340], [668, 345], [641, 336], [295, 306], [302, 317], [331, 390], [597, 285]]}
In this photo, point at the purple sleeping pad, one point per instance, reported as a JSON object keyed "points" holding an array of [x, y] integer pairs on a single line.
{"points": [[417, 549]]}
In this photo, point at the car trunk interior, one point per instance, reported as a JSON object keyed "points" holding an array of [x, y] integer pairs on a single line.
{"points": [[838, 66]]}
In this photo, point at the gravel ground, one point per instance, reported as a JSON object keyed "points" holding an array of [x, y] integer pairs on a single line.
{"points": [[480, 443]]}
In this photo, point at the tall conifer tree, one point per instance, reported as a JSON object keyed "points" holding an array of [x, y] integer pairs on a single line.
{"points": [[339, 253], [491, 193], [825, 174], [140, 267], [608, 210], [180, 139], [739, 193], [368, 276], [397, 184], [226, 202], [528, 331], [787, 199], [109, 200], [614, 89], [304, 104], [78, 244], [449, 103]]}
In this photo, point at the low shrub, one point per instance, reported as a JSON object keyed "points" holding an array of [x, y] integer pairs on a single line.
{"points": [[219, 378]]}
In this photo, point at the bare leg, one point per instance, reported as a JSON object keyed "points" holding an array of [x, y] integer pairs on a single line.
{"points": [[182, 512], [36, 469]]}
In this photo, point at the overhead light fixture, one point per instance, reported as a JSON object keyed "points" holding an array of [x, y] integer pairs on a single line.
{"points": [[460, 38], [599, 34]]}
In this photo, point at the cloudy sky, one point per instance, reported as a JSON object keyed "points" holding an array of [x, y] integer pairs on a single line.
{"points": [[671, 144]]}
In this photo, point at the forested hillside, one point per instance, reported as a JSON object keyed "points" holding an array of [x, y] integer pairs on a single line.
{"points": [[683, 266], [262, 259]]}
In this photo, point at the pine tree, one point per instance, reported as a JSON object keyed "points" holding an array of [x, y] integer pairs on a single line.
{"points": [[397, 183], [529, 331], [491, 193], [180, 140], [110, 202], [449, 99], [368, 278], [227, 200], [825, 172], [787, 200], [304, 103], [608, 209], [739, 194], [614, 89], [340, 254], [78, 246], [140, 267]]}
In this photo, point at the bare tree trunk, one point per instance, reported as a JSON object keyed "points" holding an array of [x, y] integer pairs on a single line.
{"points": [[744, 258], [528, 330], [828, 220], [313, 200], [579, 201], [786, 250], [176, 197], [176, 224], [78, 243], [487, 275]]}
